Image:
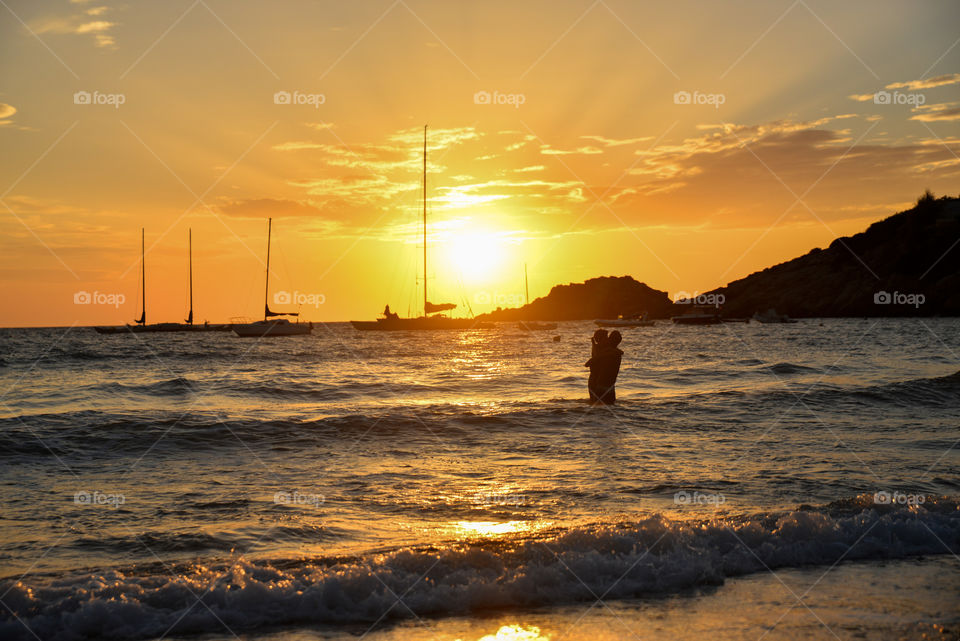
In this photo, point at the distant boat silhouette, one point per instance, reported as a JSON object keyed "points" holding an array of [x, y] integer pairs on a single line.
{"points": [[271, 326], [625, 321], [698, 315], [771, 316], [392, 322], [531, 326], [534, 326], [140, 325]]}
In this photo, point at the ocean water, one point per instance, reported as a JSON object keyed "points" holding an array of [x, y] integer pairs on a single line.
{"points": [[457, 485]]}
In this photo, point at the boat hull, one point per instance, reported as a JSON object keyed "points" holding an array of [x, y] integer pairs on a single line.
{"points": [[533, 326], [161, 328], [419, 324], [271, 328]]}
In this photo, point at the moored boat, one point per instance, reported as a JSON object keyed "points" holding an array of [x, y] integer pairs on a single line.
{"points": [[535, 326], [397, 324], [698, 315], [625, 321], [392, 322], [271, 326], [140, 326], [771, 316]]}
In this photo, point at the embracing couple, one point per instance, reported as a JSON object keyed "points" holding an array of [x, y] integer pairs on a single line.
{"points": [[604, 366]]}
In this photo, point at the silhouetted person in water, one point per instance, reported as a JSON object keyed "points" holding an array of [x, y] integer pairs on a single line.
{"points": [[599, 338], [604, 366]]}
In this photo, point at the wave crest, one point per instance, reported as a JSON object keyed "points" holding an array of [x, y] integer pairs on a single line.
{"points": [[653, 556]]}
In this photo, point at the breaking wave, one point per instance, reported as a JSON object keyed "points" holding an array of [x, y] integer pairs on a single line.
{"points": [[621, 560]]}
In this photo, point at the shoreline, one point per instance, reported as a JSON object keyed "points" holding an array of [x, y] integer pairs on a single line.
{"points": [[868, 600]]}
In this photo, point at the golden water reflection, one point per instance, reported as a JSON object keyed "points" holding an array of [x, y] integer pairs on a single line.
{"points": [[491, 528], [516, 633]]}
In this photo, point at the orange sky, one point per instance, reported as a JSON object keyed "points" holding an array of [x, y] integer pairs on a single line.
{"points": [[560, 136]]}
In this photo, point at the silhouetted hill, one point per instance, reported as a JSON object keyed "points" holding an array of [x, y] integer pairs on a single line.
{"points": [[883, 271], [910, 254], [604, 297]]}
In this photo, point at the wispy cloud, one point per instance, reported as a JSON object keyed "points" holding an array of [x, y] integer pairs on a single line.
{"points": [[912, 85], [6, 112], [928, 83], [547, 150], [81, 24], [617, 142], [267, 207], [937, 111], [780, 160]]}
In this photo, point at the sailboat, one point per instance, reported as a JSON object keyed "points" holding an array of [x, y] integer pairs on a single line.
{"points": [[393, 322], [531, 326], [271, 326], [140, 325], [141, 322], [187, 325]]}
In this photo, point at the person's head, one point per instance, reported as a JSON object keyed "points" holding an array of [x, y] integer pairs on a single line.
{"points": [[615, 338], [600, 335]]}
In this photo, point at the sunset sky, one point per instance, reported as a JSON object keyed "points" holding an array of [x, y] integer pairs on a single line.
{"points": [[585, 161]]}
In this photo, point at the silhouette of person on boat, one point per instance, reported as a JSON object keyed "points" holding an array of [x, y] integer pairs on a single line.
{"points": [[604, 366], [390, 315]]}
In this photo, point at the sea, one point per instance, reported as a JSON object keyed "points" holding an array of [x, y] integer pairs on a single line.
{"points": [[789, 481]]}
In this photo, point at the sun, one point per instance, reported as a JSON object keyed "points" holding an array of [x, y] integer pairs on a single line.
{"points": [[476, 255]]}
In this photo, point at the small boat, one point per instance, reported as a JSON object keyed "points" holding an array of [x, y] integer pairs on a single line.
{"points": [[391, 322], [534, 326], [771, 316], [140, 325], [625, 321], [162, 328], [270, 326], [698, 315], [531, 326], [397, 324]]}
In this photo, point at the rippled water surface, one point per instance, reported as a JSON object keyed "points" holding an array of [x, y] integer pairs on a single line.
{"points": [[306, 479]]}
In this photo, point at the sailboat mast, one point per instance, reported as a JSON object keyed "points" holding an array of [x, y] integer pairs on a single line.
{"points": [[190, 263], [526, 285], [266, 287], [425, 221], [143, 277]]}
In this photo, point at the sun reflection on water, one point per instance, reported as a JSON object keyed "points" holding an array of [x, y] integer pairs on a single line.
{"points": [[491, 528], [516, 633]]}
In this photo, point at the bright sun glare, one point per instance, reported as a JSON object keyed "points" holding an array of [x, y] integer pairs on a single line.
{"points": [[476, 255]]}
